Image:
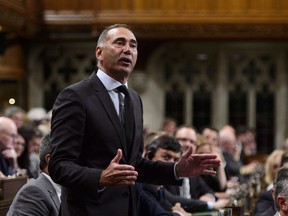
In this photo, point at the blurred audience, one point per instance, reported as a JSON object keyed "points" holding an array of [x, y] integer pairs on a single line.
{"points": [[169, 125], [281, 192], [32, 136], [21, 148], [272, 165], [217, 183], [246, 140], [16, 113], [8, 155], [265, 203], [39, 196], [231, 151], [167, 149]]}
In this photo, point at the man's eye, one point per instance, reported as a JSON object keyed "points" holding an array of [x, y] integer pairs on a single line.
{"points": [[120, 43], [133, 45]]}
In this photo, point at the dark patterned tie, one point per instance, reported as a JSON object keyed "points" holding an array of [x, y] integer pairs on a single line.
{"points": [[126, 115]]}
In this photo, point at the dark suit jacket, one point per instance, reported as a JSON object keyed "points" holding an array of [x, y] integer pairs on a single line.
{"points": [[86, 133], [170, 199], [36, 197], [265, 203], [198, 187], [147, 206]]}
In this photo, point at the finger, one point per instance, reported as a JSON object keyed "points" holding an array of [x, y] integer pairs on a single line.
{"points": [[209, 172], [118, 157], [205, 156], [127, 182], [211, 162], [123, 167], [188, 152], [126, 174]]}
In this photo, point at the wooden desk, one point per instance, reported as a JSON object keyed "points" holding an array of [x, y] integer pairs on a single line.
{"points": [[8, 189]]}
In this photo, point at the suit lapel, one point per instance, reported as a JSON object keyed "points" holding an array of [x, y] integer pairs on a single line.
{"points": [[51, 190], [108, 105]]}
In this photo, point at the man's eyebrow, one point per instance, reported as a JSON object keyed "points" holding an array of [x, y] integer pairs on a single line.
{"points": [[124, 39]]}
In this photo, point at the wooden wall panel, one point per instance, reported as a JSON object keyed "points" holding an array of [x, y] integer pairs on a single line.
{"points": [[257, 18]]}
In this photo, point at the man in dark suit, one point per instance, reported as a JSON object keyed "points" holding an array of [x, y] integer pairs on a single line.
{"points": [[39, 196], [94, 157]]}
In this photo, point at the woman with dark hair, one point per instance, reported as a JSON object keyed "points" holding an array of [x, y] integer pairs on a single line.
{"points": [[30, 156], [21, 148]]}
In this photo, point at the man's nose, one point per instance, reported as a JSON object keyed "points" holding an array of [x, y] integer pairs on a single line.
{"points": [[127, 48]]}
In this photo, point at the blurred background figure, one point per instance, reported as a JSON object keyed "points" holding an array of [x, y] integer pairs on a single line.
{"points": [[211, 135], [39, 196], [281, 192], [45, 125], [169, 125], [285, 145], [246, 139], [8, 155], [265, 203], [16, 113], [32, 136], [217, 183], [37, 115], [22, 150], [232, 154], [272, 165]]}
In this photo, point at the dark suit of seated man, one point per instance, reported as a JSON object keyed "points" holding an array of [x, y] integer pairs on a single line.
{"points": [[147, 205], [167, 148], [39, 196]]}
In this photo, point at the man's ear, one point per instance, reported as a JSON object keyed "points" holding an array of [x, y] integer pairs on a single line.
{"points": [[47, 158], [281, 202], [98, 53]]}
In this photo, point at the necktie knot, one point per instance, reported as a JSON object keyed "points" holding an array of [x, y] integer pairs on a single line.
{"points": [[123, 89]]}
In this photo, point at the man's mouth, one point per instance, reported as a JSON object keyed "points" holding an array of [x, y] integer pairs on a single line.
{"points": [[125, 61]]}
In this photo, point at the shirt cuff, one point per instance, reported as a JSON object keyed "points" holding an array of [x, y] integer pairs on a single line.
{"points": [[210, 205], [176, 177]]}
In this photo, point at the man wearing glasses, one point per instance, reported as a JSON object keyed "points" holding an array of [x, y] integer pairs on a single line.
{"points": [[8, 155]]}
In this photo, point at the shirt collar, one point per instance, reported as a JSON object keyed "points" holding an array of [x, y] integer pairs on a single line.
{"points": [[109, 83], [56, 186]]}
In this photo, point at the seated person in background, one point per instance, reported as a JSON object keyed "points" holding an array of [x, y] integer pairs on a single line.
{"points": [[148, 138], [217, 183], [166, 148], [8, 155], [169, 125], [272, 165], [280, 192], [231, 152], [211, 135], [148, 206], [39, 196], [265, 201], [21, 148], [16, 113], [32, 136], [193, 187], [246, 139]]}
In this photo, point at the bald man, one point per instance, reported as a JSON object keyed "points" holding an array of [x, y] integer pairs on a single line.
{"points": [[8, 155]]}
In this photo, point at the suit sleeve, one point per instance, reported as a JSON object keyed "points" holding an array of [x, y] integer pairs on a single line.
{"points": [[189, 205], [67, 135], [30, 201]]}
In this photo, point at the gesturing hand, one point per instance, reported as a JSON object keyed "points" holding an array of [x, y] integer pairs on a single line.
{"points": [[196, 164], [118, 174]]}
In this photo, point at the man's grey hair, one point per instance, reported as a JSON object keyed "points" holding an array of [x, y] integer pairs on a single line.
{"points": [[103, 36], [11, 110], [281, 185], [45, 148]]}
